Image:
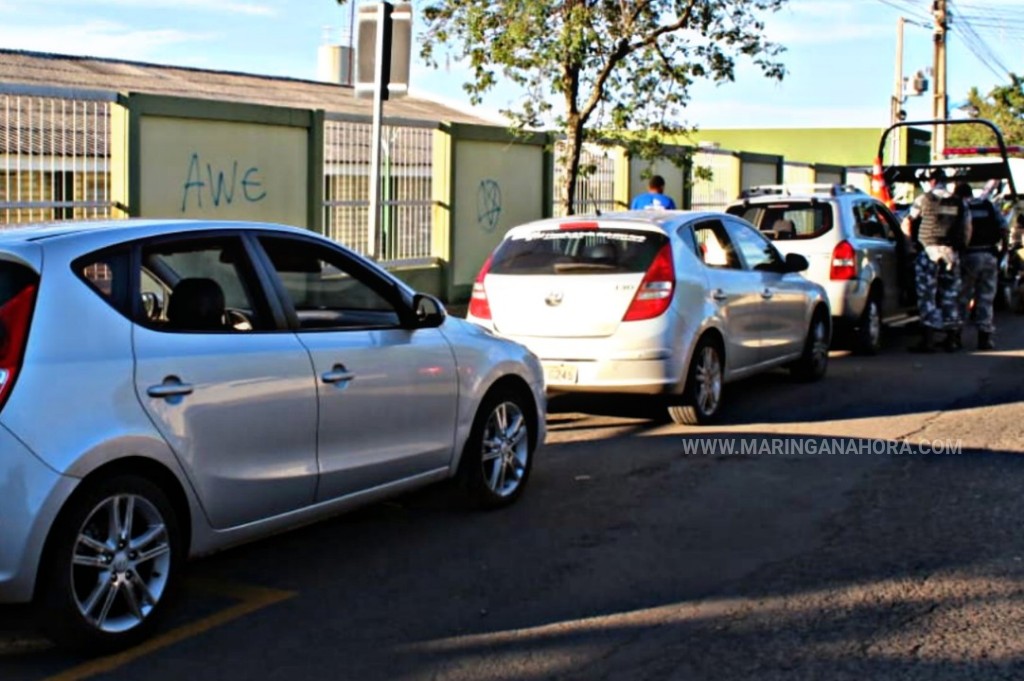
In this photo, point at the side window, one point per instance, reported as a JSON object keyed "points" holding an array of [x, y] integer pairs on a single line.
{"points": [[327, 290], [714, 246], [200, 285], [758, 253], [107, 274], [868, 221], [893, 231]]}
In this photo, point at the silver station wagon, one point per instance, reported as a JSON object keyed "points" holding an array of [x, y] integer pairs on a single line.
{"points": [[171, 388]]}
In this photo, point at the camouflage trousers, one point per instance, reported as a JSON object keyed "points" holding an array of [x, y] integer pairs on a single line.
{"points": [[980, 272], [938, 292]]}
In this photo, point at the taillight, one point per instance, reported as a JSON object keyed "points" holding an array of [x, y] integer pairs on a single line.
{"points": [[655, 292], [478, 305], [15, 316], [844, 262]]}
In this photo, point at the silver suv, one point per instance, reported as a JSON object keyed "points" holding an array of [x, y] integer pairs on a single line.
{"points": [[854, 246]]}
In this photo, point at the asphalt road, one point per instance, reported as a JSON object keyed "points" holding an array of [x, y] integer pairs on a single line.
{"points": [[644, 550]]}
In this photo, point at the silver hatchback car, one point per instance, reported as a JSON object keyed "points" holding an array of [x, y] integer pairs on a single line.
{"points": [[854, 247], [170, 388], [670, 303]]}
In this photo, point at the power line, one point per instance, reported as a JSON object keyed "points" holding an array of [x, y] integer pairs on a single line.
{"points": [[979, 46]]}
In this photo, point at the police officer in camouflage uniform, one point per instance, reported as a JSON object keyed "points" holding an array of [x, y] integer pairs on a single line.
{"points": [[980, 264], [940, 225]]}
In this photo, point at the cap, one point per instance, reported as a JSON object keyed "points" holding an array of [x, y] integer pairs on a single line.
{"points": [[937, 174]]}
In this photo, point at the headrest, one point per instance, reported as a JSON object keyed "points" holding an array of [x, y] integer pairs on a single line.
{"points": [[196, 305]]}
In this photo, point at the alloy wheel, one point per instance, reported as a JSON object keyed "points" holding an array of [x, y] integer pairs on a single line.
{"points": [[120, 563], [506, 449], [708, 376]]}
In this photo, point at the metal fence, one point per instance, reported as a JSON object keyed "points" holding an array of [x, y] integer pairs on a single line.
{"points": [[718, 191], [406, 188], [595, 186], [54, 154]]}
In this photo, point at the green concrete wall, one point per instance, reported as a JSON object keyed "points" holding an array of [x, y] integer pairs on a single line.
{"points": [[836, 146]]}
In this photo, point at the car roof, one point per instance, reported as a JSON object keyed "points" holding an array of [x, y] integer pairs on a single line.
{"points": [[651, 220], [776, 193], [123, 230]]}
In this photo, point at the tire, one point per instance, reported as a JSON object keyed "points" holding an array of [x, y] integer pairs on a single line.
{"points": [[702, 396], [867, 339], [498, 456], [101, 590], [813, 364]]}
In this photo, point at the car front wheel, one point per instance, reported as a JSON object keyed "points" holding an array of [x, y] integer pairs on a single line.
{"points": [[498, 455], [111, 565]]}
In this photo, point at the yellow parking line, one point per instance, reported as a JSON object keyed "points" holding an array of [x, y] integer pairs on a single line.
{"points": [[252, 599]]}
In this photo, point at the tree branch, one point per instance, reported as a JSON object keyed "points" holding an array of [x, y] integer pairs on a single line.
{"points": [[624, 49]]}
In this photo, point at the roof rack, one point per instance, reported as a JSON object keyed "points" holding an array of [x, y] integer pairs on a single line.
{"points": [[791, 189]]}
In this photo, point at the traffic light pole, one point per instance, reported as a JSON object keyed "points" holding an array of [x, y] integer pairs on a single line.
{"points": [[381, 72]]}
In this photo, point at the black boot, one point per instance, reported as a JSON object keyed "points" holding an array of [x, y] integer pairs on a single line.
{"points": [[953, 342], [985, 341], [927, 343]]}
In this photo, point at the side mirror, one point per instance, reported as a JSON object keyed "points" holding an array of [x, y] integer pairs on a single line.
{"points": [[796, 262], [429, 311]]}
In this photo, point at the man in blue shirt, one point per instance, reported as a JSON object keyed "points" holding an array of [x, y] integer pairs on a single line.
{"points": [[655, 198]]}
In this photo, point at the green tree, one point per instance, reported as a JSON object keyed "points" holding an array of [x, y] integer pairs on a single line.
{"points": [[597, 69], [1003, 106]]}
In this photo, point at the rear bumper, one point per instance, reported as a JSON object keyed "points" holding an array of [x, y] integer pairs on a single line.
{"points": [[641, 363], [642, 377], [31, 496]]}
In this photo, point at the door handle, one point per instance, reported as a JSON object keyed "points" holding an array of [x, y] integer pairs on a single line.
{"points": [[171, 387], [767, 294], [338, 374], [720, 295]]}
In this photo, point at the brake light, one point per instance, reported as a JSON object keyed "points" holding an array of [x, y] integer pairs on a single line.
{"points": [[15, 316], [573, 226], [655, 292], [479, 307], [844, 262]]}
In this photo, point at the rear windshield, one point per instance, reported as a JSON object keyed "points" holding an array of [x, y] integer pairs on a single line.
{"points": [[792, 220], [585, 251], [13, 280]]}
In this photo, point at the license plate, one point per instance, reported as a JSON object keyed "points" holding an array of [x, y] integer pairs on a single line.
{"points": [[559, 374]]}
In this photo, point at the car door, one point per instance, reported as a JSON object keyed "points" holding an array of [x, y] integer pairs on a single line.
{"points": [[230, 390], [875, 237], [734, 291], [783, 294], [388, 394], [904, 297]]}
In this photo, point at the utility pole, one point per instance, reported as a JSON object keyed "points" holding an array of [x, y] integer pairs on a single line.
{"points": [[897, 94], [940, 104]]}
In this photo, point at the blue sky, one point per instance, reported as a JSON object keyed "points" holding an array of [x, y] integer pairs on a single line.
{"points": [[840, 54]]}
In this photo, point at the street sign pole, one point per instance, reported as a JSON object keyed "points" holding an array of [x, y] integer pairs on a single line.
{"points": [[381, 75]]}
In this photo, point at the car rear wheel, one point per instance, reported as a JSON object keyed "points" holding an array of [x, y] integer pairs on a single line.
{"points": [[813, 364], [112, 563], [868, 334], [702, 397], [498, 455]]}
